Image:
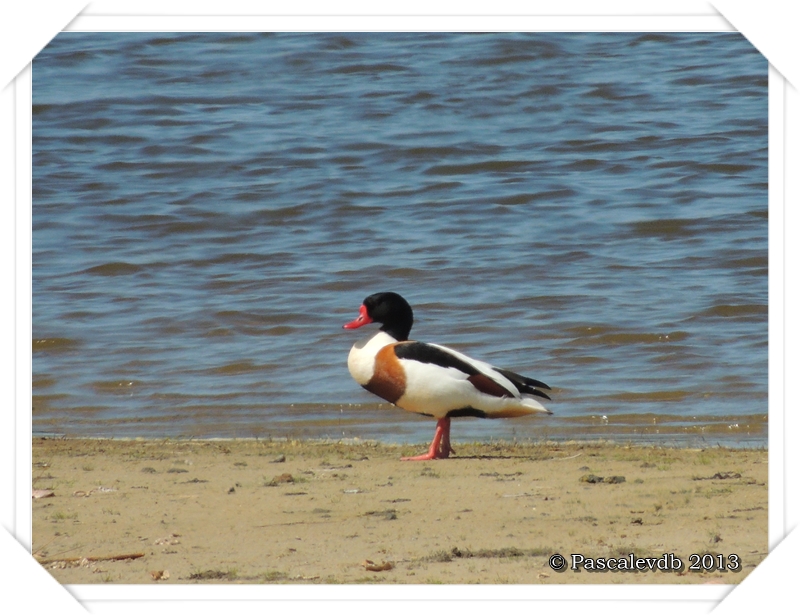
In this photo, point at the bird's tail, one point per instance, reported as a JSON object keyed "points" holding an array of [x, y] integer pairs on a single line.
{"points": [[521, 407], [535, 405]]}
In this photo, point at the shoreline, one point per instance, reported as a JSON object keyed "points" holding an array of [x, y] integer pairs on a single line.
{"points": [[373, 442], [373, 423], [332, 512]]}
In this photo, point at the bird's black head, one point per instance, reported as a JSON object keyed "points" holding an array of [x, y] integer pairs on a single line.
{"points": [[387, 308]]}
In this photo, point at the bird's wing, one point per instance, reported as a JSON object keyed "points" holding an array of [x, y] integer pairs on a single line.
{"points": [[483, 376]]}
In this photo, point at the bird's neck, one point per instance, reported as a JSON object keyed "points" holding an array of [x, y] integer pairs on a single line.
{"points": [[398, 331]]}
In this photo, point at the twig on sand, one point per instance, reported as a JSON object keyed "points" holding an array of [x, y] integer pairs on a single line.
{"points": [[580, 453], [91, 559]]}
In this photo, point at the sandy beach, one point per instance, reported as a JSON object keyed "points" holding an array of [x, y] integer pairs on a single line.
{"points": [[299, 512]]}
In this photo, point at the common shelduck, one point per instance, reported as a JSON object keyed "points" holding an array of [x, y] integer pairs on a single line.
{"points": [[430, 379]]}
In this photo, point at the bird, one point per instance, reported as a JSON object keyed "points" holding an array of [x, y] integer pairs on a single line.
{"points": [[431, 379]]}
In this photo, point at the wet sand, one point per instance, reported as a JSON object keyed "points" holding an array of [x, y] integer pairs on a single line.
{"points": [[298, 512]]}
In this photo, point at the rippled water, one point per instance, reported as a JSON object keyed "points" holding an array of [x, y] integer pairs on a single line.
{"points": [[588, 209]]}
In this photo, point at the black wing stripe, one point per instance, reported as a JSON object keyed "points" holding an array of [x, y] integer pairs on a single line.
{"points": [[428, 354], [536, 392], [518, 379]]}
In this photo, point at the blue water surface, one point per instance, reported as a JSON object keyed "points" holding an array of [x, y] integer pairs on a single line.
{"points": [[589, 209]]}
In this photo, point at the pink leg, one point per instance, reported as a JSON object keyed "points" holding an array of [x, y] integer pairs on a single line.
{"points": [[440, 446], [445, 449]]}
